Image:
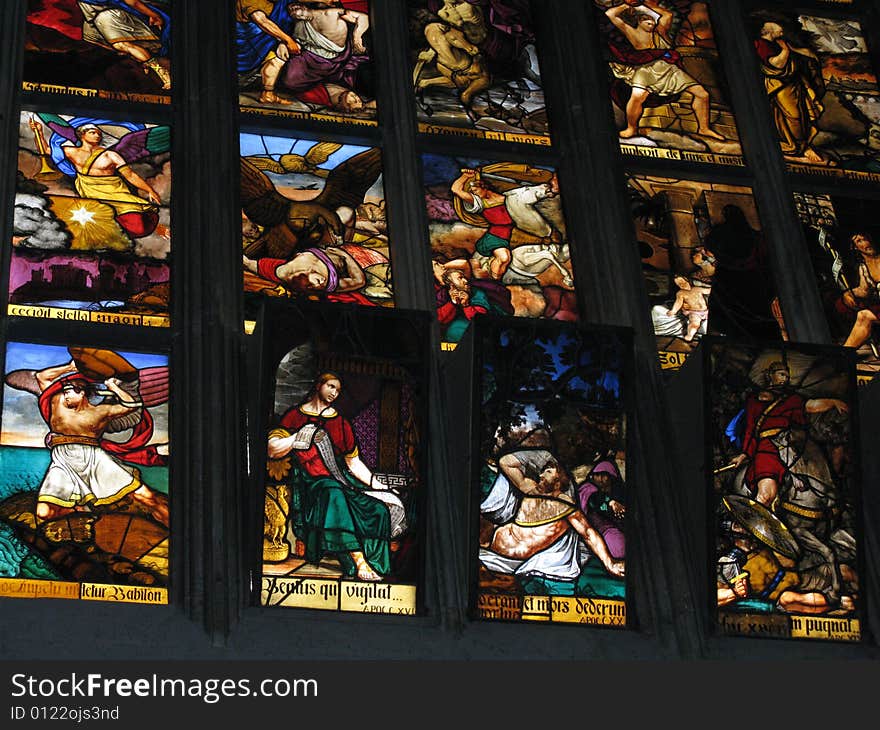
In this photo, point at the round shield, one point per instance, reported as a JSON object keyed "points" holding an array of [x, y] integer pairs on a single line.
{"points": [[762, 524]]}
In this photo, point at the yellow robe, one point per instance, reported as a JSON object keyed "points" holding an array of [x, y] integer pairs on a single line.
{"points": [[111, 189]]}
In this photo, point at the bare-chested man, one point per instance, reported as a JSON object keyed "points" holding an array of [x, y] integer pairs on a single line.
{"points": [[319, 22], [103, 174], [82, 473], [332, 46], [659, 75], [454, 49], [692, 301], [546, 514]]}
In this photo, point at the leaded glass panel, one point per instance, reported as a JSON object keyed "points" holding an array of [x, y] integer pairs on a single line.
{"points": [[551, 490], [498, 242], [476, 71], [306, 60], [841, 234], [784, 495], [669, 94], [313, 220], [344, 488], [91, 234], [705, 261], [107, 49], [823, 92], [84, 442]]}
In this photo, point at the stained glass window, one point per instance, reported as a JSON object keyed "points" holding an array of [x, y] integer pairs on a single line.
{"points": [[822, 89], [841, 232], [109, 49], [343, 477], [91, 234], [498, 242], [306, 60], [668, 88], [476, 70], [705, 263], [551, 493], [784, 495], [84, 443], [313, 220]]}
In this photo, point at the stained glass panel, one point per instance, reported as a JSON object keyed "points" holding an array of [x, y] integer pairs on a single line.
{"points": [[784, 496], [313, 220], [306, 60], [343, 480], [83, 474], [823, 91], [840, 233], [110, 49], [498, 242], [91, 234], [552, 477], [705, 263], [669, 94], [476, 70]]}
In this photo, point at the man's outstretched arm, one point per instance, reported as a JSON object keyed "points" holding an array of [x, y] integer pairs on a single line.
{"points": [[274, 30], [46, 377]]}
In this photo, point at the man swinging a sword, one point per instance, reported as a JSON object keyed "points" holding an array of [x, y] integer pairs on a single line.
{"points": [[770, 413]]}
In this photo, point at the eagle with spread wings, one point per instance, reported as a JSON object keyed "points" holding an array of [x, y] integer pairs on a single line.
{"points": [[288, 225]]}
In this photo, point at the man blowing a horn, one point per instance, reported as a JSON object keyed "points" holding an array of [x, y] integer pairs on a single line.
{"points": [[81, 401]]}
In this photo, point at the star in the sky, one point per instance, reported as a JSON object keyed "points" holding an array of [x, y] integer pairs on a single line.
{"points": [[82, 215]]}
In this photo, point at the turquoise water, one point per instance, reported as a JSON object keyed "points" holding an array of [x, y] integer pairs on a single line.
{"points": [[22, 470]]}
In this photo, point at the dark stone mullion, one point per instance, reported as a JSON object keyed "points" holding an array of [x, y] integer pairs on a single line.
{"points": [[787, 248], [208, 392], [413, 289], [607, 263], [410, 251]]}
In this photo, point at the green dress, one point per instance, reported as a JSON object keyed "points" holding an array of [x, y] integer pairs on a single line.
{"points": [[333, 516]]}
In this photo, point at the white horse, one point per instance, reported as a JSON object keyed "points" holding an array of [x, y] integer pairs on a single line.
{"points": [[529, 261]]}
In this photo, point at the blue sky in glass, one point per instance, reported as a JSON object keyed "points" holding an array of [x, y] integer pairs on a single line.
{"points": [[261, 144], [25, 355]]}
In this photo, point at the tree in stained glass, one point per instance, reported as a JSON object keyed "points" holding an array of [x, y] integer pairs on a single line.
{"points": [[306, 60], [343, 484], [84, 493], [552, 475], [705, 263], [841, 233], [117, 48], [822, 89], [668, 89], [476, 71], [498, 242], [91, 233], [784, 493], [313, 220]]}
